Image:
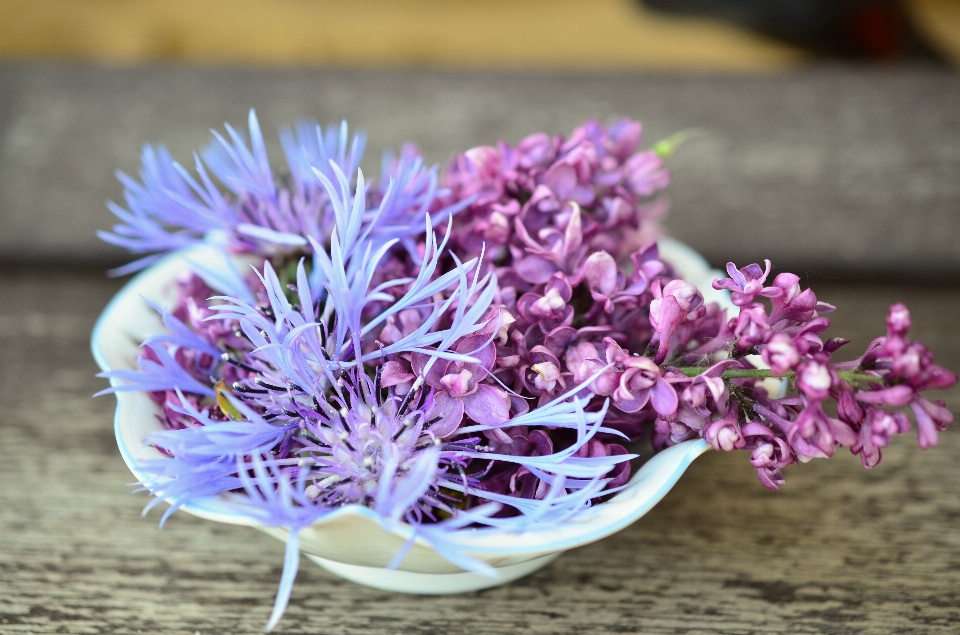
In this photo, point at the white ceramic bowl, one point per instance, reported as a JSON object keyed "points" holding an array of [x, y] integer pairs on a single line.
{"points": [[351, 542]]}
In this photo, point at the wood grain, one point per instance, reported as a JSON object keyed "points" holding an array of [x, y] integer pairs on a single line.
{"points": [[840, 551], [836, 169]]}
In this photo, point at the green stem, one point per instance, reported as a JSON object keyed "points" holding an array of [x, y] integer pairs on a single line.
{"points": [[737, 373], [762, 373], [852, 375]]}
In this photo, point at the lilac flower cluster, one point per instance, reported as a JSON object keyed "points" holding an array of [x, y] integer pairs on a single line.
{"points": [[478, 354], [779, 431], [523, 196]]}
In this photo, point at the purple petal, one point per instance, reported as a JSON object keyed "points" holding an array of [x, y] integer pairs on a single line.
{"points": [[534, 269], [600, 271], [664, 398], [394, 373], [893, 396], [486, 406], [450, 411], [735, 274], [561, 178], [573, 235], [927, 435]]}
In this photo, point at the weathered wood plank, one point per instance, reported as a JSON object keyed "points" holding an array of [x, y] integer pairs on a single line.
{"points": [[829, 169]]}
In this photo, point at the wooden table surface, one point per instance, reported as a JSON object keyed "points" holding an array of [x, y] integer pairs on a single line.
{"points": [[840, 550]]}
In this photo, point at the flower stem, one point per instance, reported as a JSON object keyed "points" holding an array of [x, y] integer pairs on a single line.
{"points": [[762, 373]]}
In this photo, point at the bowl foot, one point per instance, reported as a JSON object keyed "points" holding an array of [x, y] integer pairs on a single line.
{"points": [[430, 583]]}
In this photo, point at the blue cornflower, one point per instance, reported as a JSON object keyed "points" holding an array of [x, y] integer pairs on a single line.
{"points": [[171, 209], [309, 425]]}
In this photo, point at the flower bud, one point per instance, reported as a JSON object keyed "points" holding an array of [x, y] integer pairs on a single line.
{"points": [[780, 354], [814, 380], [898, 320]]}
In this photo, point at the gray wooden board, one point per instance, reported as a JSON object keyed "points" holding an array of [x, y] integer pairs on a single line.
{"points": [[830, 169], [841, 550]]}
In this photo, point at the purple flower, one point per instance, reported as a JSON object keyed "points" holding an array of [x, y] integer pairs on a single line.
{"points": [[875, 434], [516, 192], [459, 391], [751, 327], [911, 370], [747, 283], [814, 380], [814, 434], [931, 417], [898, 320], [848, 410], [675, 303], [883, 425], [600, 272], [792, 303], [707, 386], [724, 433], [780, 354], [551, 308], [640, 381], [769, 454], [645, 174]]}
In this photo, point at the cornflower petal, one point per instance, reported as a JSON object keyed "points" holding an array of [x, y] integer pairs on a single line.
{"points": [[152, 376]]}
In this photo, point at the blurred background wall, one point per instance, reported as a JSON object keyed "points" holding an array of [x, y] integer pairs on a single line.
{"points": [[561, 34], [829, 129]]}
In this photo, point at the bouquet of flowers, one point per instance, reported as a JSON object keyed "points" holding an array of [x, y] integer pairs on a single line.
{"points": [[481, 346]]}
